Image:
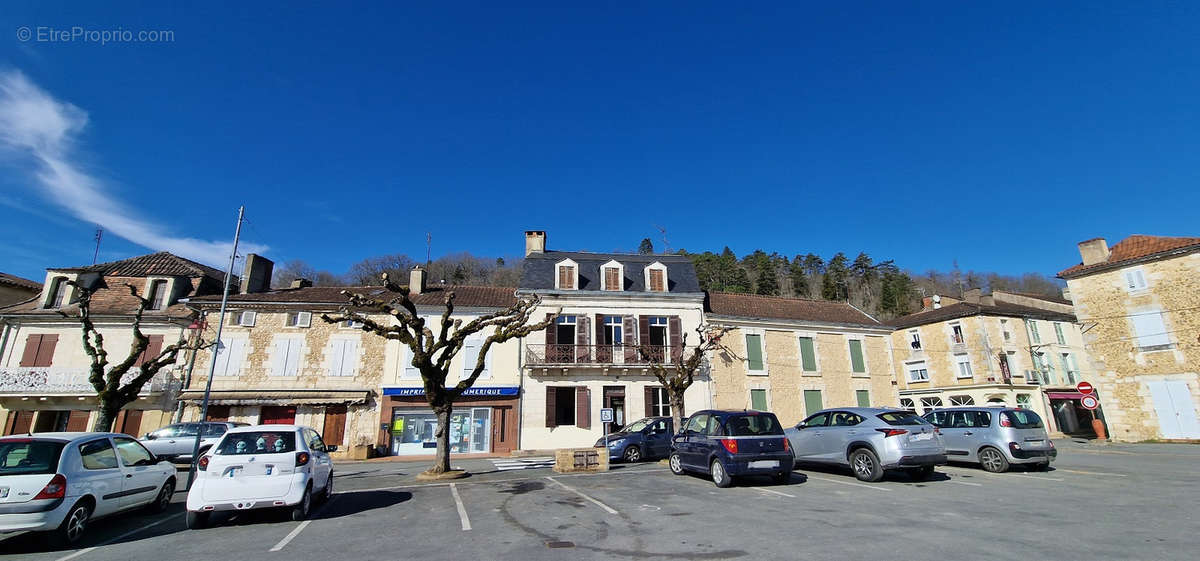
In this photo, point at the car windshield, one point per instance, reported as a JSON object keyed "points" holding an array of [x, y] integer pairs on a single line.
{"points": [[901, 418], [1023, 419], [753, 425], [29, 457], [257, 442], [638, 425]]}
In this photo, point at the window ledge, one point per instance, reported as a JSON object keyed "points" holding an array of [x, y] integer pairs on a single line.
{"points": [[918, 381], [815, 373], [1155, 348]]}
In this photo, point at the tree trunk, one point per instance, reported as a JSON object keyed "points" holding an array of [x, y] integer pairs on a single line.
{"points": [[442, 460], [676, 400], [107, 415]]}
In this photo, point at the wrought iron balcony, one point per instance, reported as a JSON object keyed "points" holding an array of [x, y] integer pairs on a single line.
{"points": [[600, 355], [64, 381]]}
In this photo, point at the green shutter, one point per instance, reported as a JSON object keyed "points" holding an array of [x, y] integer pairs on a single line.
{"points": [[808, 355], [812, 401], [864, 398], [758, 400], [754, 357], [856, 356]]}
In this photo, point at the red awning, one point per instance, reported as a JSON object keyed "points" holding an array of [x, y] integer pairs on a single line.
{"points": [[1064, 395]]}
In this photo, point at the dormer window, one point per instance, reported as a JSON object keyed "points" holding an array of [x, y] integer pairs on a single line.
{"points": [[58, 293], [157, 295], [612, 276], [656, 277], [567, 277]]}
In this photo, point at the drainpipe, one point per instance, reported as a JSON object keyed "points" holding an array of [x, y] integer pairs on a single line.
{"points": [[520, 392]]}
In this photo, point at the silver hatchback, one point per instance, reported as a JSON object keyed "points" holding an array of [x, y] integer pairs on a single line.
{"points": [[869, 440], [994, 437]]}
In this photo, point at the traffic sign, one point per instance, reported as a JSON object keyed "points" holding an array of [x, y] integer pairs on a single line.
{"points": [[1085, 388], [1089, 402], [606, 415]]}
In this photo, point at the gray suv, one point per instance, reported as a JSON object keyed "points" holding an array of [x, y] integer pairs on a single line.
{"points": [[869, 440], [994, 437], [176, 442]]}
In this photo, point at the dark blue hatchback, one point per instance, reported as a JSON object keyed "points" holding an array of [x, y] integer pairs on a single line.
{"points": [[728, 444]]}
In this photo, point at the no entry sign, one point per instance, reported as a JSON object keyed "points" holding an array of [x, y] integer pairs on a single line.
{"points": [[1085, 388], [1089, 401]]}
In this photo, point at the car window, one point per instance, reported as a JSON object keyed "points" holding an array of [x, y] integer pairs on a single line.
{"points": [[938, 418], [1020, 419], [187, 429], [901, 418], [29, 457], [98, 454], [315, 442], [844, 419], [637, 425], [698, 424], [165, 432], [132, 452], [818, 420], [983, 419], [659, 427], [753, 425], [257, 442], [214, 429], [714, 426]]}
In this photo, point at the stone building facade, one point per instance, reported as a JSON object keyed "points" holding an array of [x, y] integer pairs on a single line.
{"points": [[1140, 304], [793, 357]]}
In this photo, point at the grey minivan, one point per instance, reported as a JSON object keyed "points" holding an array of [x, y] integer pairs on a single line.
{"points": [[994, 437]]}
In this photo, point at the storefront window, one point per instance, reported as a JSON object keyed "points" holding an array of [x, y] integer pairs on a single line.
{"points": [[414, 430]]}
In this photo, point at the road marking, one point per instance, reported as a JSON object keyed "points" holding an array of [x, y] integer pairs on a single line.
{"points": [[1017, 475], [607, 508], [288, 538], [849, 483], [773, 491], [118, 538], [626, 471], [1091, 472], [462, 510], [965, 483]]}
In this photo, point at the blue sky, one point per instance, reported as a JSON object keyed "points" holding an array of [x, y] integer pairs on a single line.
{"points": [[991, 134]]}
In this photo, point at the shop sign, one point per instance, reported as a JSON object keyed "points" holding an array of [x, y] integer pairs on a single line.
{"points": [[478, 392]]}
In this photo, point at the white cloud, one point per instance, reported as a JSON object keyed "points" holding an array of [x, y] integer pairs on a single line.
{"points": [[38, 129]]}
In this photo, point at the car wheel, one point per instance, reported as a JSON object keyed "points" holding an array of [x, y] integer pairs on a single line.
{"points": [[921, 473], [993, 460], [327, 493], [676, 464], [719, 476], [300, 511], [197, 520], [73, 526], [865, 464], [633, 454], [163, 500]]}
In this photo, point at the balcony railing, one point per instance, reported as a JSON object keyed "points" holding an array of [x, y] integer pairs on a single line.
{"points": [[70, 381], [600, 355]]}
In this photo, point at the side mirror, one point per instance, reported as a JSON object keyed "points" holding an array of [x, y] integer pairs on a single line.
{"points": [[148, 436], [801, 426], [331, 448]]}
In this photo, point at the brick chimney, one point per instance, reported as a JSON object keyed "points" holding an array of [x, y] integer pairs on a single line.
{"points": [[416, 280], [256, 277], [1093, 251], [301, 283], [535, 242]]}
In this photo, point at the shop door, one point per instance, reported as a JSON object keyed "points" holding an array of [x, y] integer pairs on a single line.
{"points": [[50, 421], [1176, 414], [334, 431], [614, 398], [502, 441], [278, 415]]}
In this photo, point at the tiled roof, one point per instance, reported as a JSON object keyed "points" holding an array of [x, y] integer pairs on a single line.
{"points": [[464, 296], [19, 282], [1134, 248], [112, 300], [161, 263], [966, 309], [793, 309], [538, 270]]}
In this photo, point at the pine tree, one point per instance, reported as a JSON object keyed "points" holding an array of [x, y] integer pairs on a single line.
{"points": [[837, 273], [813, 264], [646, 247], [767, 280], [799, 279]]}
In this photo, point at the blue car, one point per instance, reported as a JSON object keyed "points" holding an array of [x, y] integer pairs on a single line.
{"points": [[640, 440], [729, 444]]}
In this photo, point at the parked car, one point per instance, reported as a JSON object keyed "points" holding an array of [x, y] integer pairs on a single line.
{"points": [[177, 441], [640, 440], [729, 444], [58, 482], [870, 441], [994, 437], [263, 466]]}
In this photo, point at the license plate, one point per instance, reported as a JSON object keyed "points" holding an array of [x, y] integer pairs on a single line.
{"points": [[3, 492], [764, 464], [922, 436], [1035, 442]]}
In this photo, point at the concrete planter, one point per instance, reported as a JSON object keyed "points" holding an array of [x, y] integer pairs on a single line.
{"points": [[574, 460]]}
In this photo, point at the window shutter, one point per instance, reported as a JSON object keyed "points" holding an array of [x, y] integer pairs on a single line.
{"points": [[643, 329], [153, 347], [29, 356], [1150, 329], [303, 319], [675, 328], [77, 420], [758, 400], [45, 350], [293, 357], [221, 358], [279, 358], [337, 355], [649, 401], [582, 332], [583, 408], [551, 332], [600, 327], [410, 371], [628, 330], [812, 401], [754, 357], [856, 356], [808, 355], [470, 357], [551, 407], [864, 398]]}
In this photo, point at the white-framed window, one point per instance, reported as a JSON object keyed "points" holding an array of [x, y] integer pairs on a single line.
{"points": [[566, 275], [962, 365], [906, 403], [343, 356], [1014, 363], [656, 277], [1135, 279], [156, 293], [285, 356], [470, 353], [1058, 333], [1004, 330], [1070, 368], [660, 402], [956, 334], [58, 294], [612, 276], [614, 331], [756, 354], [1024, 401], [930, 403], [298, 319], [245, 318], [914, 339], [229, 357], [1150, 331], [1034, 334], [962, 400], [350, 324], [918, 371]]}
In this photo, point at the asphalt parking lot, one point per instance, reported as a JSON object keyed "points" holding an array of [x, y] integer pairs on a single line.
{"points": [[1098, 502]]}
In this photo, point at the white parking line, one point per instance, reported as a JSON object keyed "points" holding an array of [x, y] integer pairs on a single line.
{"points": [[849, 483], [300, 528], [773, 491], [607, 508], [118, 538], [965, 483], [1017, 475], [462, 510], [1091, 472]]}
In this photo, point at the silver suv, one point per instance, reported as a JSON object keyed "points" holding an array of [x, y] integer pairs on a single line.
{"points": [[869, 440], [176, 442], [994, 437]]}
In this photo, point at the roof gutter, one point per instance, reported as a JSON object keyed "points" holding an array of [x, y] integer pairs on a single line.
{"points": [[791, 323], [1104, 267]]}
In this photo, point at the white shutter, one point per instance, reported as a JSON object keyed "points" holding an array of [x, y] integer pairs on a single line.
{"points": [[347, 357], [303, 319], [246, 318], [279, 357], [292, 367], [410, 371], [1150, 330], [222, 359], [470, 357], [337, 352]]}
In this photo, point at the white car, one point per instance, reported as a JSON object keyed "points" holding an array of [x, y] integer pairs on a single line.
{"points": [[58, 482], [264, 466]]}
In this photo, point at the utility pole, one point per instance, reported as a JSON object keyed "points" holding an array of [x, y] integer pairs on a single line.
{"points": [[212, 364], [428, 247], [95, 254]]}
